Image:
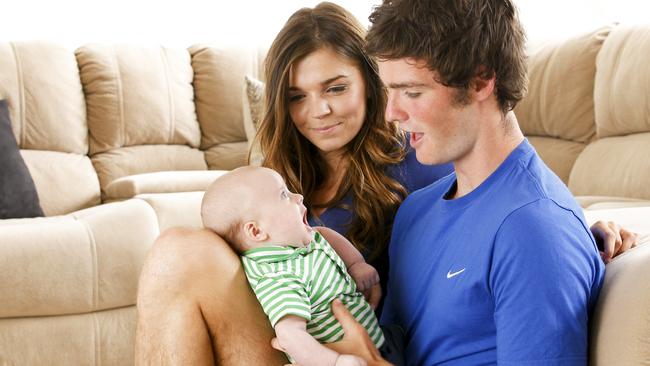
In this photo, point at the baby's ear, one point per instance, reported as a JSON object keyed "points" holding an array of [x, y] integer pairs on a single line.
{"points": [[254, 232]]}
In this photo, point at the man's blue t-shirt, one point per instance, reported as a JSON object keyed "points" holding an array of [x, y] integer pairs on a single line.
{"points": [[411, 174], [507, 273]]}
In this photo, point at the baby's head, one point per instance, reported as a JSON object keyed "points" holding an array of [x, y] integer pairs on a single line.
{"points": [[251, 207]]}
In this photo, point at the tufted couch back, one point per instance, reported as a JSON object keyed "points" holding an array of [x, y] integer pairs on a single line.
{"points": [[87, 118], [587, 113]]}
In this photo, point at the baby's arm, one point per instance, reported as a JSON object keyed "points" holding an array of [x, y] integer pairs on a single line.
{"points": [[364, 275], [292, 336]]}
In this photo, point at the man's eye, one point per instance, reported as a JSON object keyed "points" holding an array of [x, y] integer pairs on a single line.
{"points": [[412, 94]]}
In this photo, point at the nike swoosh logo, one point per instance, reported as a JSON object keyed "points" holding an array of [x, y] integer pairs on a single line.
{"points": [[450, 274]]}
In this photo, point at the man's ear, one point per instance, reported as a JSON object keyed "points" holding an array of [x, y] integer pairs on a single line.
{"points": [[483, 86], [254, 232]]}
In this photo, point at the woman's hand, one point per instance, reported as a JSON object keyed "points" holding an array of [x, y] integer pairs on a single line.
{"points": [[613, 239], [355, 339]]}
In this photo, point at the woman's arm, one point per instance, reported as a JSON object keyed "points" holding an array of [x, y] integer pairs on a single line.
{"points": [[612, 239], [292, 338]]}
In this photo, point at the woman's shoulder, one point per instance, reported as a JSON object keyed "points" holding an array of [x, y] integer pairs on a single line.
{"points": [[414, 175]]}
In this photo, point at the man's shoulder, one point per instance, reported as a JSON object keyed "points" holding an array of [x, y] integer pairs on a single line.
{"points": [[542, 223]]}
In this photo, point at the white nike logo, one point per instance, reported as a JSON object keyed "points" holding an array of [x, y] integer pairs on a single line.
{"points": [[450, 274]]}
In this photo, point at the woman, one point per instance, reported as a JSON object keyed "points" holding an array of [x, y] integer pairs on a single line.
{"points": [[324, 132]]}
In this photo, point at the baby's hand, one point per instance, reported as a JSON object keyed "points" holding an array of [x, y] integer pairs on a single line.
{"points": [[364, 275], [349, 360]]}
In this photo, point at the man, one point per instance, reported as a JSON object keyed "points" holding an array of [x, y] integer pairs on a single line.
{"points": [[494, 263]]}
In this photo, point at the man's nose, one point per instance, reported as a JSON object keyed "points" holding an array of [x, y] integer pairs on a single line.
{"points": [[393, 110]]}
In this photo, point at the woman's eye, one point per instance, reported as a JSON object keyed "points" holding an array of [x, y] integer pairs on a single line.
{"points": [[295, 98], [337, 89], [412, 94], [284, 194]]}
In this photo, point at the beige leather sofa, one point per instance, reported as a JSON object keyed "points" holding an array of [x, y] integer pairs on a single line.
{"points": [[121, 140], [588, 115]]}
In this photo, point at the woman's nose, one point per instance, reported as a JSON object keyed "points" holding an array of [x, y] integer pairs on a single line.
{"points": [[298, 197], [320, 108]]}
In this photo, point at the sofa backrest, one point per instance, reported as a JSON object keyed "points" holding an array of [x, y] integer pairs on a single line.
{"points": [[218, 85], [141, 114], [557, 114], [41, 84], [617, 163]]}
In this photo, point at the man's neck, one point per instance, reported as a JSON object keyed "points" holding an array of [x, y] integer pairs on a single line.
{"points": [[498, 138]]}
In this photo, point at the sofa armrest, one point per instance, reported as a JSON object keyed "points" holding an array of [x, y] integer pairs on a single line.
{"points": [[620, 324], [160, 182], [86, 261], [175, 209]]}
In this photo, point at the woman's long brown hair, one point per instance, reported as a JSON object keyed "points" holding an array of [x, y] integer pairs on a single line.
{"points": [[378, 145]]}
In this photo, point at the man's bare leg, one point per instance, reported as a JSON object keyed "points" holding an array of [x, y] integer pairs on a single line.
{"points": [[195, 306]]}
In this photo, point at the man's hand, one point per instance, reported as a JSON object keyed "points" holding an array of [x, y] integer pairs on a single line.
{"points": [[615, 240], [355, 340]]}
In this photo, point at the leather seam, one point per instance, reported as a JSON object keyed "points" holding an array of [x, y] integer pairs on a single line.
{"points": [[170, 97], [21, 97], [120, 101]]}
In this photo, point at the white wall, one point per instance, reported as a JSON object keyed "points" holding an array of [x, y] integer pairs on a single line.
{"points": [[549, 19], [172, 23], [249, 22]]}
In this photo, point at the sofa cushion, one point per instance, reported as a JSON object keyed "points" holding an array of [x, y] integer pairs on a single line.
{"points": [[621, 91], [132, 160], [227, 156], [559, 155], [72, 186], [218, 82], [78, 263], [41, 82], [161, 182], [101, 338], [138, 95], [613, 166], [18, 197], [560, 100], [609, 202]]}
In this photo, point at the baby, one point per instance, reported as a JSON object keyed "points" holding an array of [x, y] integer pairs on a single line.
{"points": [[294, 270]]}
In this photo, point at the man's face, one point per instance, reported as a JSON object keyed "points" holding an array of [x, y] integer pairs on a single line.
{"points": [[442, 129]]}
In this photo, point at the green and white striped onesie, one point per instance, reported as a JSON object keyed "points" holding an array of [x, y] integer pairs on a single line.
{"points": [[303, 282]]}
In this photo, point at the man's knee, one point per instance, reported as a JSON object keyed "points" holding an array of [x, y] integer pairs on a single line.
{"points": [[185, 254]]}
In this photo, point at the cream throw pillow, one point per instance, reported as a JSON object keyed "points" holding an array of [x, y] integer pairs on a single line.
{"points": [[253, 104]]}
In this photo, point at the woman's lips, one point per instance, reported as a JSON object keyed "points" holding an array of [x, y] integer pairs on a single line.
{"points": [[326, 129]]}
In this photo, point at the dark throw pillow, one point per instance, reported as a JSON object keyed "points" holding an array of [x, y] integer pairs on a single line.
{"points": [[18, 197]]}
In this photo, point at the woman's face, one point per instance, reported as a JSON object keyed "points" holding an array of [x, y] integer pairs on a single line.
{"points": [[327, 99]]}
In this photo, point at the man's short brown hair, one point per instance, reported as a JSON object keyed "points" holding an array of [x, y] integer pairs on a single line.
{"points": [[458, 39]]}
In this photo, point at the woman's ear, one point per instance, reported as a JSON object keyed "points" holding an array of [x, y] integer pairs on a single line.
{"points": [[254, 232]]}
